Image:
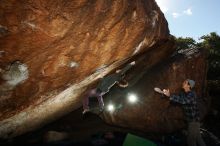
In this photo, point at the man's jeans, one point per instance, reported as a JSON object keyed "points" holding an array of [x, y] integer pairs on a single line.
{"points": [[194, 137], [93, 93]]}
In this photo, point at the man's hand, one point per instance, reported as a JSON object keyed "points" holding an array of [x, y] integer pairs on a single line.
{"points": [[132, 63], [166, 92]]}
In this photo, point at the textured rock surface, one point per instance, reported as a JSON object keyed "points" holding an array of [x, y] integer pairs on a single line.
{"points": [[153, 113], [68, 45]]}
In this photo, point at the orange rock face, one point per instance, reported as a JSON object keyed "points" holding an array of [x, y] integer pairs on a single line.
{"points": [[50, 37], [52, 51]]}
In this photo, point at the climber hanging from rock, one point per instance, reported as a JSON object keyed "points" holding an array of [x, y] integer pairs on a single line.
{"points": [[104, 86]]}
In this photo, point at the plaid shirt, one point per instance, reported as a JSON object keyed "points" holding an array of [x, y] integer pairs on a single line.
{"points": [[189, 104]]}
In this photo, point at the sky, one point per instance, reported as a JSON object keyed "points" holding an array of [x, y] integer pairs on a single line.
{"points": [[191, 18]]}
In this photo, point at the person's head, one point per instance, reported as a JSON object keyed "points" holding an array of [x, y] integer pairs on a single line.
{"points": [[188, 85]]}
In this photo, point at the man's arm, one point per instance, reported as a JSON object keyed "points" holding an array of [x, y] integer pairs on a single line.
{"points": [[127, 67], [181, 98]]}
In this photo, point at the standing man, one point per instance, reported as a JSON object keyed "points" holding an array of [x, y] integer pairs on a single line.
{"points": [[188, 101], [104, 86]]}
